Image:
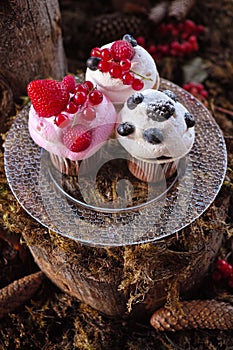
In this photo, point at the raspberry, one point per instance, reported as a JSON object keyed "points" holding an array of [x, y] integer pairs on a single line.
{"points": [[122, 49], [49, 97], [77, 139], [69, 83]]}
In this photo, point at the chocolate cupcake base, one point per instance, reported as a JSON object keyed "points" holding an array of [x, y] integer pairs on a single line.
{"points": [[65, 165]]}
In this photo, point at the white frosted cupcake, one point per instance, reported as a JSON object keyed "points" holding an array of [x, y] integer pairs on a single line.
{"points": [[157, 131], [120, 68]]}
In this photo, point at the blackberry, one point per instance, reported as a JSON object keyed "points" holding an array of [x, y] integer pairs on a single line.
{"points": [[189, 119], [160, 110], [92, 62], [153, 136], [130, 39], [171, 94], [134, 100], [125, 129]]}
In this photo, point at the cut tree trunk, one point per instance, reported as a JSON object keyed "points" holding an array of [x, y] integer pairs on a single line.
{"points": [[31, 47], [136, 280]]}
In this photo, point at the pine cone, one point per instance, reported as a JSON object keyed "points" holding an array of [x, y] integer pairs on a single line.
{"points": [[16, 293], [109, 27], [195, 314], [179, 9]]}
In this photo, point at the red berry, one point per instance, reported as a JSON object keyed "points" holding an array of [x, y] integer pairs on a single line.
{"points": [[89, 113], [227, 271], [61, 120], [96, 52], [116, 71], [189, 26], [79, 98], [224, 267], [137, 84], [49, 97], [95, 97], [204, 93], [152, 49], [170, 27], [77, 139], [81, 88], [127, 78], [106, 54], [125, 65], [122, 49], [141, 41], [200, 29], [69, 83], [88, 84], [104, 66], [72, 107]]}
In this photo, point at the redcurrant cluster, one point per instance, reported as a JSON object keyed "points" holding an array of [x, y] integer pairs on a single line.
{"points": [[116, 61], [224, 271], [197, 90], [83, 97], [179, 39]]}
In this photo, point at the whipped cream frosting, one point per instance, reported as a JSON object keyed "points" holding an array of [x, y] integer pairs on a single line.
{"points": [[141, 63], [50, 137], [177, 138]]}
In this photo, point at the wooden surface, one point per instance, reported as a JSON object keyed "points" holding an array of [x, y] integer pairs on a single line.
{"points": [[30, 46]]}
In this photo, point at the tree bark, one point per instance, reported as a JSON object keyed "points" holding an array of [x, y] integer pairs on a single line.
{"points": [[31, 47]]}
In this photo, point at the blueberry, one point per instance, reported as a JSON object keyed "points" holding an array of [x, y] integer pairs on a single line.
{"points": [[130, 39], [189, 119], [153, 136], [125, 129], [171, 94], [160, 110], [92, 62], [134, 100]]}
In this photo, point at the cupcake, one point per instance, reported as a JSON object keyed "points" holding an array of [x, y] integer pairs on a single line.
{"points": [[120, 68], [157, 131], [71, 121]]}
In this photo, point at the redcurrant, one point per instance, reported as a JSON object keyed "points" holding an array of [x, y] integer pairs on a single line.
{"points": [[116, 71], [61, 120], [79, 98], [137, 84], [72, 107], [95, 97]]}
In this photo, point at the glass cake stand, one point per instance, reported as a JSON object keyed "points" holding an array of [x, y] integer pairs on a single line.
{"points": [[117, 209]]}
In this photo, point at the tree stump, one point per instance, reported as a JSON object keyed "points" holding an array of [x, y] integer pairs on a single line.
{"points": [[31, 47], [131, 281]]}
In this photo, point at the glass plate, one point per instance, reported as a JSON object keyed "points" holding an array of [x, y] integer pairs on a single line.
{"points": [[158, 211]]}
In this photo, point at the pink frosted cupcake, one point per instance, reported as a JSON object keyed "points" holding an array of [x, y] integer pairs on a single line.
{"points": [[70, 121]]}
